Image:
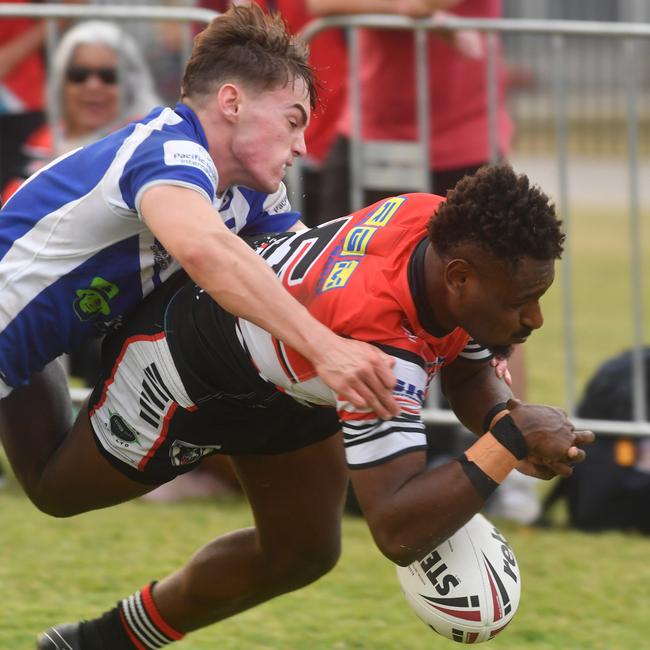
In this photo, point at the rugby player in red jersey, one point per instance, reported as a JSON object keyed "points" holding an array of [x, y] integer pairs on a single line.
{"points": [[438, 284]]}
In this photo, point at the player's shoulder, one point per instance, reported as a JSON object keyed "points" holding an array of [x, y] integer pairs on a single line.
{"points": [[165, 140], [407, 211], [165, 125]]}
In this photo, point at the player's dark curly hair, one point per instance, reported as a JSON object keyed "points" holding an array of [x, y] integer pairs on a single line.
{"points": [[501, 212]]}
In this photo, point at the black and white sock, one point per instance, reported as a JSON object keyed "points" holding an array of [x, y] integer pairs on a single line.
{"points": [[135, 623]]}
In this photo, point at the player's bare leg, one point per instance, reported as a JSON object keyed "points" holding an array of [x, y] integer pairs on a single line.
{"points": [[34, 421], [297, 500], [57, 462]]}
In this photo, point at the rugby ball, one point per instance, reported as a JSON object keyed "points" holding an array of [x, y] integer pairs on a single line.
{"points": [[468, 588]]}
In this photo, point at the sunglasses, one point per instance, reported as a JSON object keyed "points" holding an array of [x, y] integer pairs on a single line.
{"points": [[79, 74]]}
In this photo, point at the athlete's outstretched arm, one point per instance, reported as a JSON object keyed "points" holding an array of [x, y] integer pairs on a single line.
{"points": [[224, 266], [410, 508], [472, 388]]}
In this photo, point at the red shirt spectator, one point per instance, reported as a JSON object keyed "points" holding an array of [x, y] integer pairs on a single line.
{"points": [[458, 93], [21, 86]]}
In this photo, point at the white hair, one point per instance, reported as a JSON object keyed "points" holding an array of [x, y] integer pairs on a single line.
{"points": [[138, 95]]}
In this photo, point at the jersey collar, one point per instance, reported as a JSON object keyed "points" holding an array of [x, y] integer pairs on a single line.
{"points": [[190, 117], [417, 285]]}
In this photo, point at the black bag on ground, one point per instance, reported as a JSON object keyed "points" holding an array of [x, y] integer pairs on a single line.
{"points": [[611, 488]]}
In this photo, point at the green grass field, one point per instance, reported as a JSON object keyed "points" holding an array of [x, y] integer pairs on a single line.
{"points": [[579, 591]]}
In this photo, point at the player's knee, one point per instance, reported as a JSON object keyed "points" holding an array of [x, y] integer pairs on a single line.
{"points": [[53, 508], [51, 503], [300, 565]]}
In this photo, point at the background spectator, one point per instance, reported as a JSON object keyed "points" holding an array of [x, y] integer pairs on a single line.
{"points": [[458, 127], [98, 82], [328, 56], [22, 81], [458, 95]]}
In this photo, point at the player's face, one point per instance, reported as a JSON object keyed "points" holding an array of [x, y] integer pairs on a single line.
{"points": [[270, 133], [91, 94], [500, 306]]}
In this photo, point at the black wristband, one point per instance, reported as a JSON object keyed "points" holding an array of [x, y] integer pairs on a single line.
{"points": [[507, 433], [482, 483], [497, 408]]}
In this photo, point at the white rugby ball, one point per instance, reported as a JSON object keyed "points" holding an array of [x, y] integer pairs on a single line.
{"points": [[468, 588]]}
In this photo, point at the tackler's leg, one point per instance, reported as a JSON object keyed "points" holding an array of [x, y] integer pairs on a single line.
{"points": [[34, 421], [57, 462]]}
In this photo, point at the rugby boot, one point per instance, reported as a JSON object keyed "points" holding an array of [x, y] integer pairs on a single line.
{"points": [[60, 637]]}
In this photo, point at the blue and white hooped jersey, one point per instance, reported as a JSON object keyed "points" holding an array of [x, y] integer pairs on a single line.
{"points": [[75, 257]]}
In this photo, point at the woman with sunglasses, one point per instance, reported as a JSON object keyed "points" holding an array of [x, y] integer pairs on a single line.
{"points": [[98, 82]]}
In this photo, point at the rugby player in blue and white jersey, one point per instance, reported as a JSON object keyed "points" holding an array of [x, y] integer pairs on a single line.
{"points": [[84, 240]]}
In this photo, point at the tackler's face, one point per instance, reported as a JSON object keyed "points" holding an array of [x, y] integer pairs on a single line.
{"points": [[270, 133], [499, 305]]}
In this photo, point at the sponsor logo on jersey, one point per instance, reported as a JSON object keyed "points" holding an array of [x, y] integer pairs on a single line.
{"points": [[409, 390], [121, 429], [191, 154], [94, 300], [357, 240], [340, 274], [382, 215], [337, 271], [282, 206], [183, 453]]}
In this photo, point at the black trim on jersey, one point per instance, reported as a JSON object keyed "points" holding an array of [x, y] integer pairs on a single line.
{"points": [[385, 459], [359, 440], [470, 345], [152, 372], [402, 417], [404, 355], [284, 362], [146, 387], [418, 287]]}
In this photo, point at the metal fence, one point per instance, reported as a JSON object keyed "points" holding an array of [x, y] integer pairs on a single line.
{"points": [[551, 116]]}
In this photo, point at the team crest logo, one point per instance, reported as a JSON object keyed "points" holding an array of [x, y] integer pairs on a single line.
{"points": [[93, 301], [161, 257], [183, 453]]}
